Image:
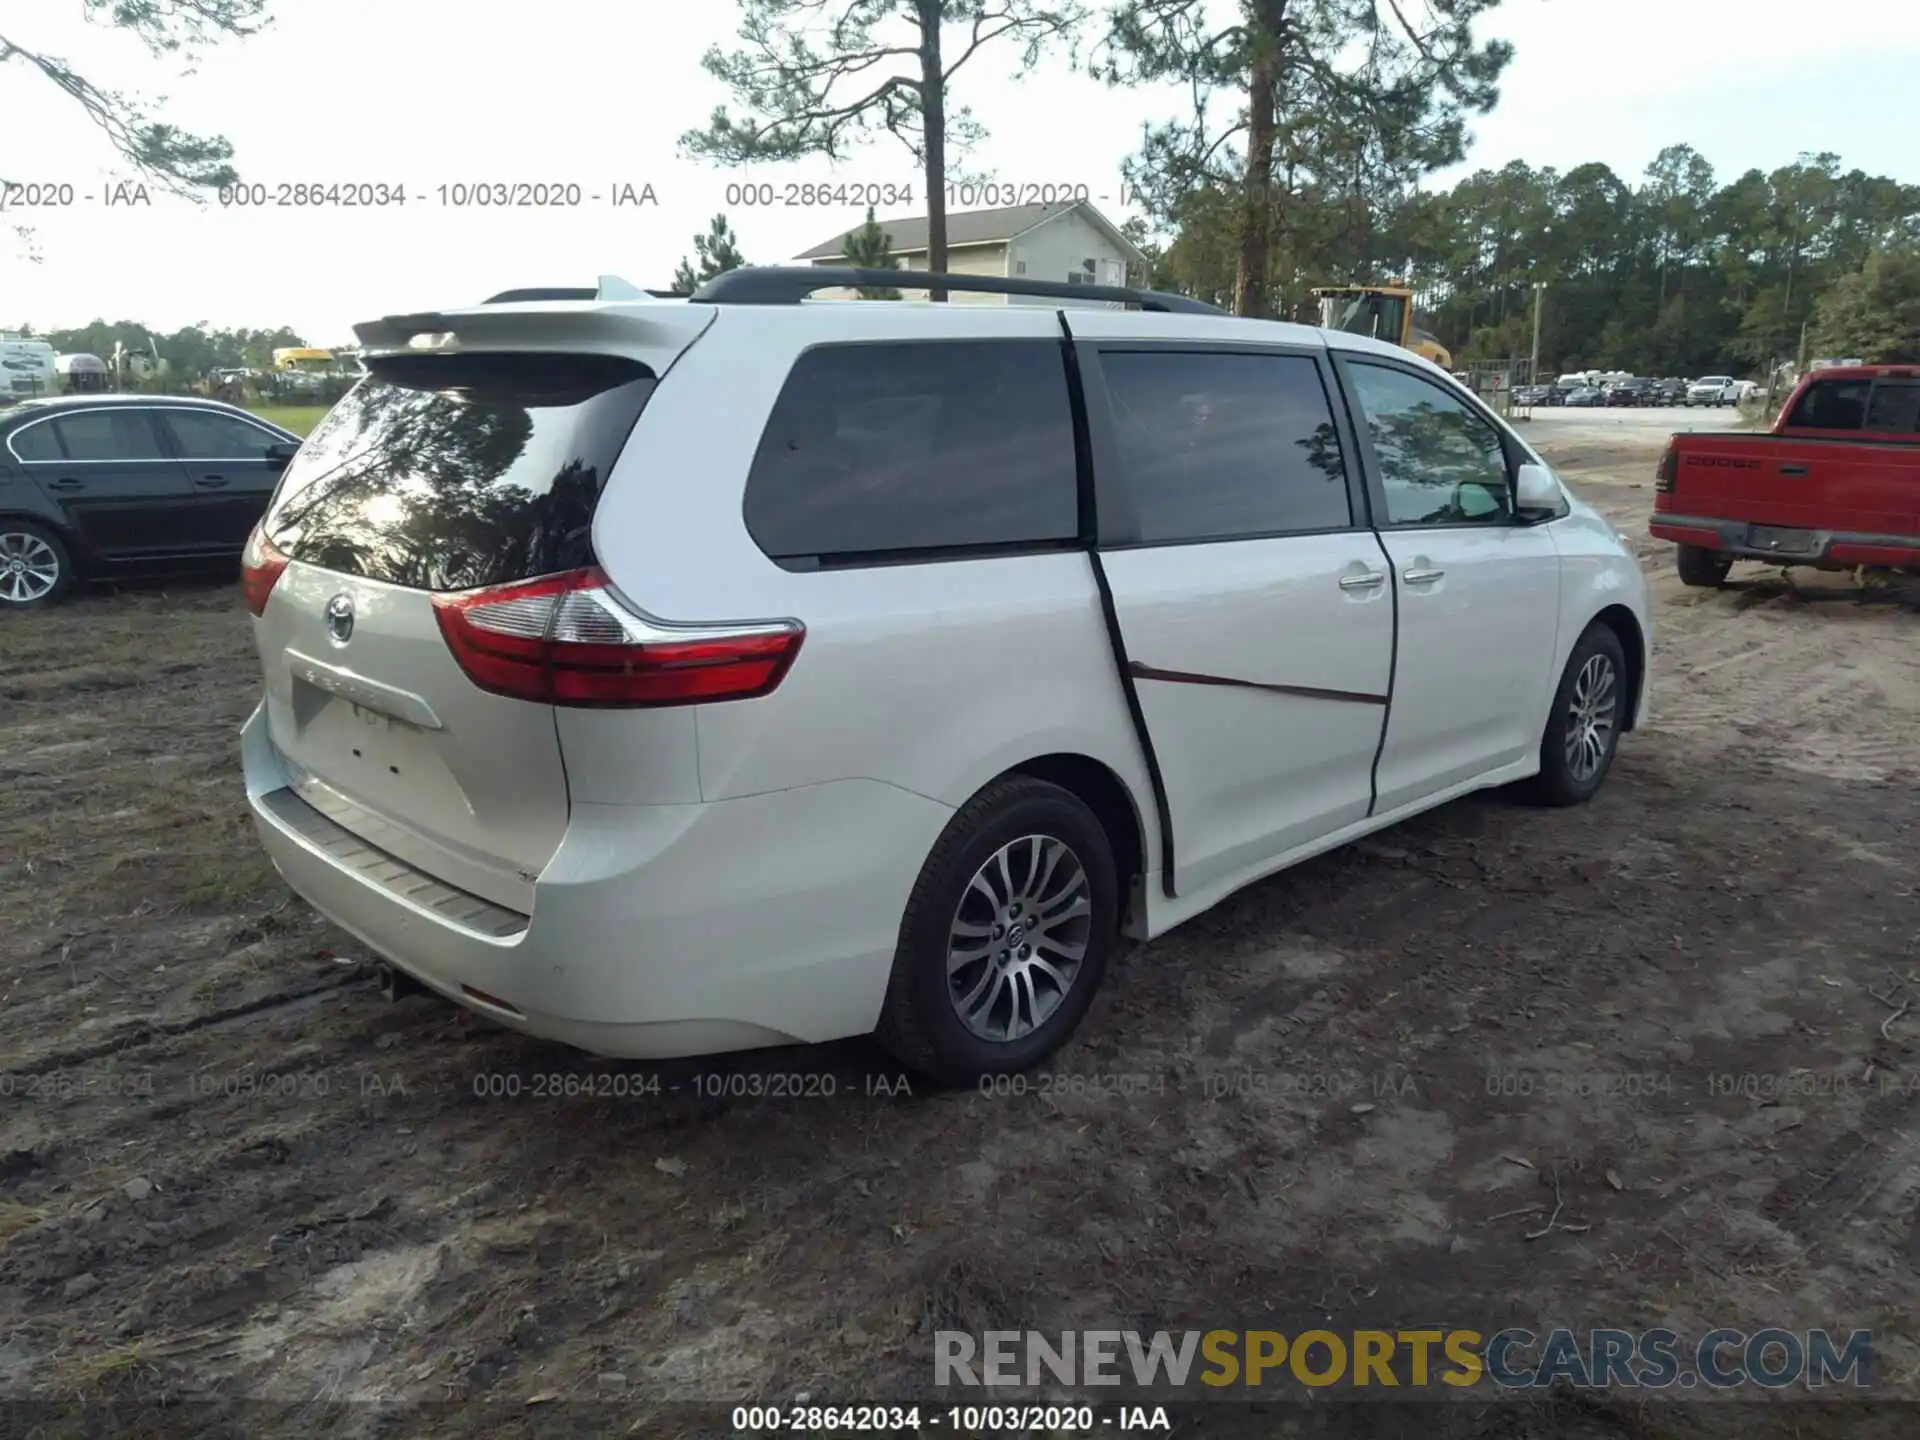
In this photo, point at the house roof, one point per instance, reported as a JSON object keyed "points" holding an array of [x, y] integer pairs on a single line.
{"points": [[976, 227]]}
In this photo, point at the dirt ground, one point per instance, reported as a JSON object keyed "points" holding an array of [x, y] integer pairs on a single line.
{"points": [[230, 1173]]}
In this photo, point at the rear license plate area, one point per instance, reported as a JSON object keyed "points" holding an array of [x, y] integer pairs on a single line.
{"points": [[366, 741], [1775, 541]]}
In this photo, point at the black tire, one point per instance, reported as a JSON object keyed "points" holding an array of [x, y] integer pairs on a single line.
{"points": [[919, 1022], [1559, 782], [22, 543], [1702, 567]]}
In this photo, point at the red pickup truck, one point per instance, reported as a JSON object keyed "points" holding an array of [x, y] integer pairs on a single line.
{"points": [[1834, 485]]}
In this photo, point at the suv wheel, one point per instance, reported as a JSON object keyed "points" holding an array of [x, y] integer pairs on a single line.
{"points": [[1006, 935], [1702, 567], [1583, 728], [35, 568]]}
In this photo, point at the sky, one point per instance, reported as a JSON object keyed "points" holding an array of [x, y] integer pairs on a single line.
{"points": [[421, 94]]}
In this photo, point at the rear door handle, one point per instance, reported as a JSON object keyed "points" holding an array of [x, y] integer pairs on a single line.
{"points": [[1793, 469], [1372, 580], [210, 482], [1421, 577], [65, 482]]}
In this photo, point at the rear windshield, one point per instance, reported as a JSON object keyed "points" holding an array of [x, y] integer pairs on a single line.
{"points": [[449, 472]]}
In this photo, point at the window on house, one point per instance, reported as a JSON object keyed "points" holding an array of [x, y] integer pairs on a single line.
{"points": [[1019, 267]]}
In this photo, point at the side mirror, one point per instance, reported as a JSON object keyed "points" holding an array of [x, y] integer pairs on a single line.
{"points": [[1535, 491], [281, 454]]}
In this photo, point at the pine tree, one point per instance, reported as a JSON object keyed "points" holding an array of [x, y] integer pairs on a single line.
{"points": [[871, 248], [718, 251]]}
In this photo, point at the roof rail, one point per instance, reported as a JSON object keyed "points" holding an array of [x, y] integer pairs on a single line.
{"points": [[790, 284]]}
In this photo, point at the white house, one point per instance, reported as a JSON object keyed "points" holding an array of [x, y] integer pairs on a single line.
{"points": [[1069, 242]]}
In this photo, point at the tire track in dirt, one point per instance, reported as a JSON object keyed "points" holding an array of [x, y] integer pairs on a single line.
{"points": [[147, 1032]]}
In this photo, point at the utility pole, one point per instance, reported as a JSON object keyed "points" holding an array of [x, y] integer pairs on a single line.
{"points": [[1533, 367]]}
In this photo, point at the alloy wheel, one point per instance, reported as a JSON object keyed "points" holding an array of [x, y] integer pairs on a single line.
{"points": [[29, 568], [1019, 938], [1590, 717]]}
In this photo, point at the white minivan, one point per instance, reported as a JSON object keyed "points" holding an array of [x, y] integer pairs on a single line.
{"points": [[668, 676]]}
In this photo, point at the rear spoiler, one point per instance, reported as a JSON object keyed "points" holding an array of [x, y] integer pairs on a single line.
{"points": [[609, 326]]}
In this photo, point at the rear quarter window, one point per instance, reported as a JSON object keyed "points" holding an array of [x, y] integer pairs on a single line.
{"points": [[452, 472], [923, 449]]}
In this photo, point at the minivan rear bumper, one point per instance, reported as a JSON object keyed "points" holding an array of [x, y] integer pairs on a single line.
{"points": [[1834, 549], [656, 931]]}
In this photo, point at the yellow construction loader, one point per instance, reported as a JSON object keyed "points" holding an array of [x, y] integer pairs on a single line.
{"points": [[1382, 311]]}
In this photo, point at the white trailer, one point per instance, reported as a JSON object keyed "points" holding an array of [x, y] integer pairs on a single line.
{"points": [[27, 367]]}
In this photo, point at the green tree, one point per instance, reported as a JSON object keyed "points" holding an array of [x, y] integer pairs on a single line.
{"points": [[174, 159], [812, 82], [1675, 275], [1873, 313], [717, 252], [1335, 103], [871, 248]]}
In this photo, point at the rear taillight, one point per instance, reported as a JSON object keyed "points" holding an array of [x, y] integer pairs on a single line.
{"points": [[260, 566], [564, 640], [1664, 477]]}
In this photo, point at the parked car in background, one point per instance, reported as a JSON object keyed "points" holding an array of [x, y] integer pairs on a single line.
{"points": [[1627, 393], [1670, 392], [98, 486], [1714, 390], [1261, 589], [1536, 395], [83, 374], [1835, 484], [1586, 396]]}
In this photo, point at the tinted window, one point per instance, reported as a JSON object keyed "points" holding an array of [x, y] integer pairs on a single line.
{"points": [[882, 449], [1226, 446], [1832, 405], [35, 442], [1895, 407], [445, 472], [1441, 462], [206, 435], [94, 435]]}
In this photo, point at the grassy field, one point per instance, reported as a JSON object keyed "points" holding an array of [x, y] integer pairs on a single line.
{"points": [[297, 418]]}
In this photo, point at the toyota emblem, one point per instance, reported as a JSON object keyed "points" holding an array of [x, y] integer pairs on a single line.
{"points": [[340, 619]]}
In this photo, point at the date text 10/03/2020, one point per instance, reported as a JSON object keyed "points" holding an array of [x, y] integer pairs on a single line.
{"points": [[520, 194], [960, 1419], [53, 194], [960, 194]]}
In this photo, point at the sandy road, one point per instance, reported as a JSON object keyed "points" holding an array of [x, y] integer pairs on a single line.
{"points": [[1353, 1093]]}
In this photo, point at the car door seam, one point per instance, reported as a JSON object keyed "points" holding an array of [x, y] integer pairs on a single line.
{"points": [[1370, 484], [1088, 492]]}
